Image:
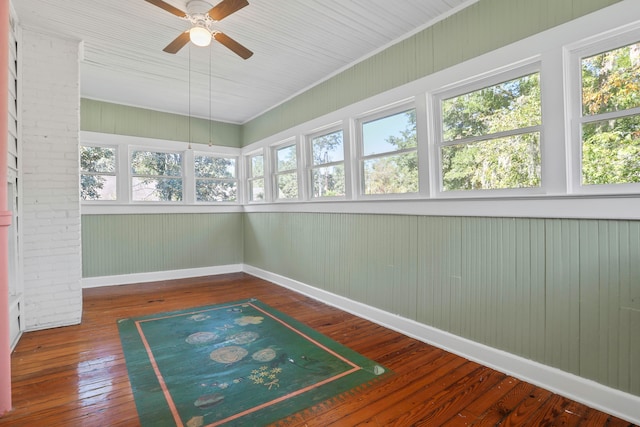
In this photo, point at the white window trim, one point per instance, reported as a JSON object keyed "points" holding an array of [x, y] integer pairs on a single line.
{"points": [[125, 144], [573, 55], [250, 178], [358, 149], [185, 198], [337, 127], [235, 179], [513, 71], [292, 142], [116, 173]]}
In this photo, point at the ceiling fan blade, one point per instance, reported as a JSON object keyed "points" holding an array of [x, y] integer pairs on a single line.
{"points": [[226, 8], [178, 43], [233, 45], [169, 8]]}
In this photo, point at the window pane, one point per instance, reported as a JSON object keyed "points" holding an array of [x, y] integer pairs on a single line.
{"points": [[156, 163], [286, 158], [256, 189], [328, 181], [514, 104], [98, 187], [611, 151], [392, 174], [257, 166], [156, 189], [611, 80], [327, 148], [287, 186], [98, 159], [391, 133], [214, 167], [210, 190], [512, 162]]}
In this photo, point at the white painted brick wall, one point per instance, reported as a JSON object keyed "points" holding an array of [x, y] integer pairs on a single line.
{"points": [[51, 203]]}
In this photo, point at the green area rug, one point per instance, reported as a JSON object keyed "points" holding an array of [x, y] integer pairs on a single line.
{"points": [[239, 363]]}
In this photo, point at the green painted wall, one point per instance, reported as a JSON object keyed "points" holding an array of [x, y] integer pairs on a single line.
{"points": [[480, 28], [127, 244], [104, 117], [565, 293]]}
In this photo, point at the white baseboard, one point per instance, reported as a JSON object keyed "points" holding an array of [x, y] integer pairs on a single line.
{"points": [[590, 393], [127, 279]]}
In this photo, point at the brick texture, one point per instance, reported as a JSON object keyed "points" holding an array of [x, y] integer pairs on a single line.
{"points": [[51, 203]]}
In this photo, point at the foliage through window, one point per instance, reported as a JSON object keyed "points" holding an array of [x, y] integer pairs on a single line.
{"points": [[327, 170], [390, 154], [156, 176], [256, 177], [216, 179], [491, 137], [611, 116], [286, 175], [98, 177]]}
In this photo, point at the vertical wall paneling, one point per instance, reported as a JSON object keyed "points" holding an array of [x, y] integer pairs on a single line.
{"points": [[104, 117], [565, 293], [562, 276], [590, 309], [127, 244], [629, 355]]}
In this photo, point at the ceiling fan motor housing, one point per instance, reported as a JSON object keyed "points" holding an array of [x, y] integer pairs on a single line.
{"points": [[198, 7]]}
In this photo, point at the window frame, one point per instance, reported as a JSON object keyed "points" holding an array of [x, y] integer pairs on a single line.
{"points": [[276, 173], [235, 179], [573, 99], [310, 166], [125, 144], [182, 176], [250, 177], [360, 158], [116, 173], [472, 85]]}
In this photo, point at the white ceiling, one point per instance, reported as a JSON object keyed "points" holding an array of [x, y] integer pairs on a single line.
{"points": [[296, 44]]}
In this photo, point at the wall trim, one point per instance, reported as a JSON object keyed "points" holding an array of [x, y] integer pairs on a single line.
{"points": [[588, 392], [155, 276]]}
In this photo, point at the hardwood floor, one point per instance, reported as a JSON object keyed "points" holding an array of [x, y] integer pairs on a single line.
{"points": [[76, 375]]}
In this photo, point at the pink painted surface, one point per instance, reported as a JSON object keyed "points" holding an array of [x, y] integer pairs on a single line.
{"points": [[5, 217]]}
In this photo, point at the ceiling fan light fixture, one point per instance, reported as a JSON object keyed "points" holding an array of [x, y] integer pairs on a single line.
{"points": [[200, 36]]}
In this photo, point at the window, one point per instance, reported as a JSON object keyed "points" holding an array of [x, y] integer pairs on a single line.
{"points": [[286, 175], [389, 161], [327, 169], [98, 178], [156, 176], [490, 137], [216, 178], [256, 177], [610, 116]]}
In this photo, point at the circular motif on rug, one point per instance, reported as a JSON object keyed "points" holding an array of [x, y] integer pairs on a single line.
{"points": [[230, 354], [243, 337], [264, 355], [201, 338], [378, 370], [208, 400]]}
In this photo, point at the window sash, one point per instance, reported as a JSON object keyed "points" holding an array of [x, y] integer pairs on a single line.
{"points": [[495, 172], [603, 162], [94, 192]]}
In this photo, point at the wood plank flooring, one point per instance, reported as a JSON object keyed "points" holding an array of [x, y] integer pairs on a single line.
{"points": [[76, 375]]}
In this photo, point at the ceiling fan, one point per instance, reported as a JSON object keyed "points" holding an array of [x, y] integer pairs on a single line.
{"points": [[202, 17]]}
